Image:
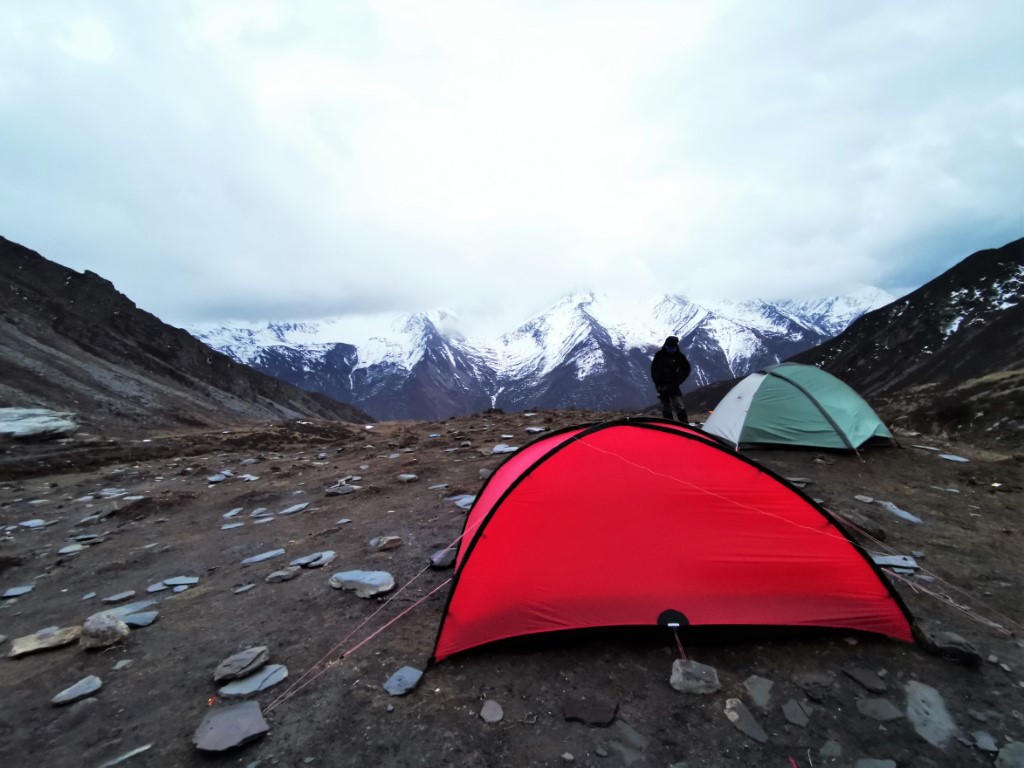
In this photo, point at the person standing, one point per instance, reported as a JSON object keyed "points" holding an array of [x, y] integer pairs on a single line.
{"points": [[669, 369]]}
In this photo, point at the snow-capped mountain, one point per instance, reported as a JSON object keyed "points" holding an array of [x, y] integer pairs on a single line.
{"points": [[589, 351]]}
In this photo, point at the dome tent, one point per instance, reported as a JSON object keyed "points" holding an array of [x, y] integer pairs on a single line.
{"points": [[799, 405], [621, 523]]}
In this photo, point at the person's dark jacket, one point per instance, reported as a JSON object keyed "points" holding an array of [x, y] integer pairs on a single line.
{"points": [[669, 369]]}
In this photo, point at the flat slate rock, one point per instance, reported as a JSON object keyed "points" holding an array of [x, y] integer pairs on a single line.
{"points": [[1011, 755], [407, 477], [882, 710], [952, 646], [120, 597], [263, 556], [443, 558], [316, 560], [285, 574], [491, 712], [143, 619], [745, 723], [403, 681], [125, 610], [927, 712], [87, 686], [384, 543], [224, 728], [158, 587], [342, 490], [866, 678], [293, 509], [230, 526], [795, 713], [590, 712], [266, 677], [243, 588], [178, 581], [44, 640], [689, 676], [759, 689], [18, 591], [363, 583], [242, 663]]}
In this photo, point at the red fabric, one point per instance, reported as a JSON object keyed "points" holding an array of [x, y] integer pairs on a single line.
{"points": [[628, 521]]}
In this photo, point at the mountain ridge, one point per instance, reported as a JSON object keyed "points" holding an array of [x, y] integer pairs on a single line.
{"points": [[588, 350]]}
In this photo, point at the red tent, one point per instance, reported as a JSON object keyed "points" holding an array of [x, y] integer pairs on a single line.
{"points": [[615, 524]]}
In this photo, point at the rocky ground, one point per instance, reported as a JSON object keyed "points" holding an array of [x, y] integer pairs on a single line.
{"points": [[157, 512]]}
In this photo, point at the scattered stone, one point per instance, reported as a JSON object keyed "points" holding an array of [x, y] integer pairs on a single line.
{"points": [[407, 478], [951, 457], [384, 543], [71, 549], [88, 596], [342, 490], [293, 509], [689, 676], [485, 473], [895, 561], [438, 487], [814, 684], [864, 499], [831, 750], [403, 681], [343, 521], [223, 728], [590, 712], [260, 512], [535, 430], [285, 574], [364, 583], [600, 751], [900, 513], [316, 560], [795, 713], [122, 664], [230, 526], [984, 741], [263, 519], [868, 679], [491, 712], [927, 711], [1011, 755], [233, 512], [241, 664], [120, 597], [952, 646], [18, 591], [249, 462], [265, 678], [443, 558], [87, 686], [103, 630], [243, 588], [179, 588], [745, 723], [32, 523], [178, 581], [43, 640], [144, 619], [218, 478], [759, 689], [503, 448], [567, 757], [882, 710], [263, 556]]}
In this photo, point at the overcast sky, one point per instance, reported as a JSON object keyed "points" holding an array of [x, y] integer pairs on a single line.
{"points": [[285, 159]]}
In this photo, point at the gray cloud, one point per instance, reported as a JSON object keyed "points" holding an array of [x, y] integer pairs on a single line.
{"points": [[274, 160]]}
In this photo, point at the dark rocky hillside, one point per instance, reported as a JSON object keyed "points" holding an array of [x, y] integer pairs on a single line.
{"points": [[70, 341]]}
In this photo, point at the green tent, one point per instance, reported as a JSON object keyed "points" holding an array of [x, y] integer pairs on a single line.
{"points": [[793, 404]]}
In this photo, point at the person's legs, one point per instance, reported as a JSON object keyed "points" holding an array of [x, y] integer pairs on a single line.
{"points": [[678, 409], [666, 406]]}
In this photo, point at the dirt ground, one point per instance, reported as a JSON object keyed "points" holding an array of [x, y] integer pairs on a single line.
{"points": [[971, 539]]}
